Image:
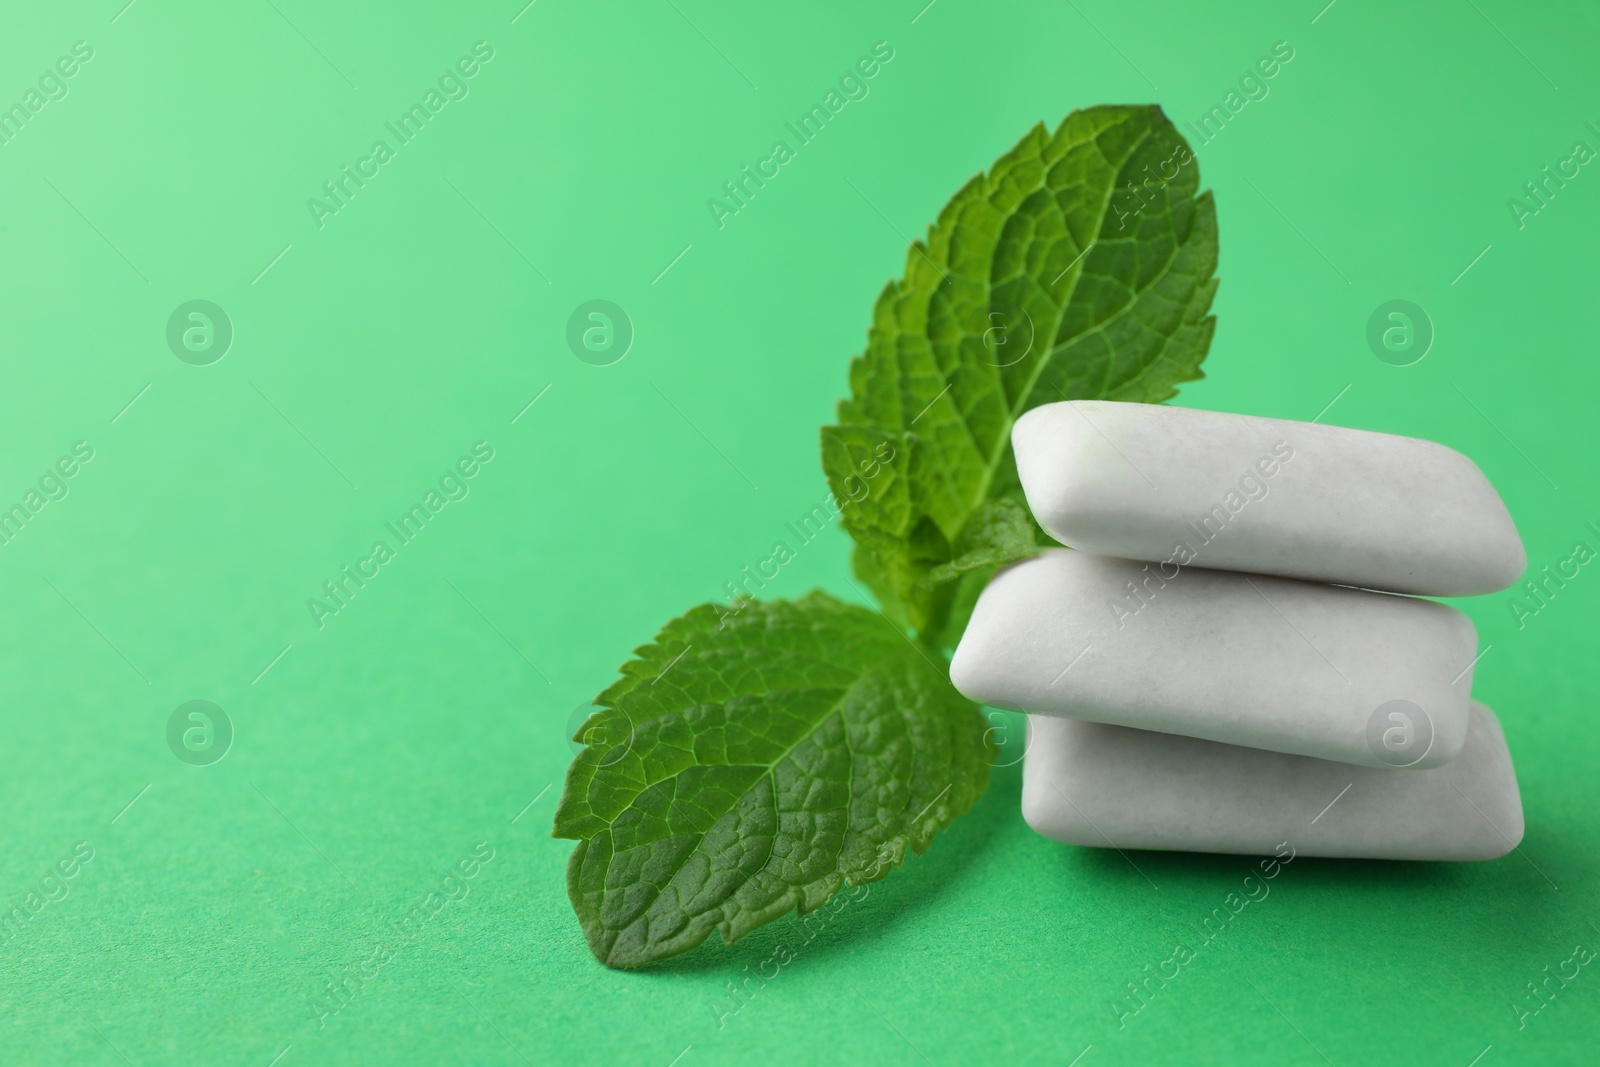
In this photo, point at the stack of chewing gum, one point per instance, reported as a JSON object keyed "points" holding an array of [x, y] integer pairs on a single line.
{"points": [[1222, 663]]}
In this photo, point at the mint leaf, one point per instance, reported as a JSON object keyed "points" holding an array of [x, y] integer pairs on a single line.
{"points": [[750, 764], [1079, 267]]}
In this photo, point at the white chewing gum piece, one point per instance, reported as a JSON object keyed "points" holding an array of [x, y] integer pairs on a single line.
{"points": [[1111, 787], [1317, 670], [1268, 496]]}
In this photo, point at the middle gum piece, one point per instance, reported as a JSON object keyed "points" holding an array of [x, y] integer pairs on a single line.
{"points": [[1343, 674]]}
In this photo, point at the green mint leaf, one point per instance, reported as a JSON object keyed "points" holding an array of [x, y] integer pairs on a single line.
{"points": [[1080, 267], [748, 764]]}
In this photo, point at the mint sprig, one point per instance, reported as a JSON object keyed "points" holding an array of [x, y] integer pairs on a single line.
{"points": [[750, 763]]}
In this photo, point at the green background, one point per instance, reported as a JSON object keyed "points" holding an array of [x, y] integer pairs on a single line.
{"points": [[422, 719]]}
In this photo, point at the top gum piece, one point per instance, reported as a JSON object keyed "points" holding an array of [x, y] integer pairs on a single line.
{"points": [[1268, 496]]}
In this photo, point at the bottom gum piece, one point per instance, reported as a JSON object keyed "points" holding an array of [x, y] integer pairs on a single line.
{"points": [[1108, 786]]}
